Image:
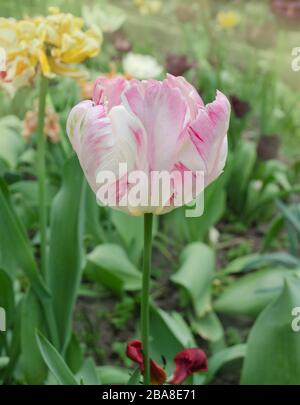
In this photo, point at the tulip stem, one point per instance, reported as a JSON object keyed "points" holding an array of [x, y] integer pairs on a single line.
{"points": [[41, 170], [145, 329]]}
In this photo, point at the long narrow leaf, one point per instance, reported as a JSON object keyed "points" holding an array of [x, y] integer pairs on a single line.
{"points": [[67, 221], [55, 362], [15, 249], [289, 215]]}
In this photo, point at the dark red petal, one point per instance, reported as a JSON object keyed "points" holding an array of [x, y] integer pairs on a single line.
{"points": [[187, 362], [134, 352], [158, 374]]}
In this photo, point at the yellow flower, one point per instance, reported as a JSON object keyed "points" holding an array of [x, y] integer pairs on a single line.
{"points": [[148, 7], [51, 45], [228, 19]]}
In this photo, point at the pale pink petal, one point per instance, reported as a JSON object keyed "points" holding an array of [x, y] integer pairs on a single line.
{"points": [[129, 137], [205, 147], [107, 91], [189, 92], [161, 110], [89, 131]]}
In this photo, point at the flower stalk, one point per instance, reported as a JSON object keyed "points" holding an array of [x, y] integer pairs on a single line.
{"points": [[145, 324], [41, 171]]}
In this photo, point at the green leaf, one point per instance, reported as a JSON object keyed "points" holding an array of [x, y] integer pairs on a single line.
{"points": [[135, 377], [237, 265], [32, 363], [130, 230], [14, 347], [65, 264], [88, 373], [3, 362], [272, 232], [289, 216], [218, 360], [74, 355], [250, 294], [24, 196], [277, 258], [55, 362], [195, 275], [177, 326], [15, 249], [243, 165], [209, 327], [11, 142], [113, 375], [214, 207], [273, 347], [93, 226], [108, 264], [7, 297], [169, 335]]}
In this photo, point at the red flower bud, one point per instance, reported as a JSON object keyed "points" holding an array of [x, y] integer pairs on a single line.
{"points": [[187, 362], [177, 65], [240, 107], [134, 352]]}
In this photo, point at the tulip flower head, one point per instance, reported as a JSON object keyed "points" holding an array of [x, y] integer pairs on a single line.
{"points": [[240, 107], [187, 362], [134, 352], [51, 45], [177, 65], [138, 131]]}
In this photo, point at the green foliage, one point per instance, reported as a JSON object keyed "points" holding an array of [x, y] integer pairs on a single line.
{"points": [[109, 265], [195, 275], [250, 294], [65, 255], [15, 249], [11, 143], [55, 362], [213, 292], [32, 363], [273, 347], [7, 299]]}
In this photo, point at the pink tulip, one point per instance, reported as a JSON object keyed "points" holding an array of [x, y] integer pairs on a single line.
{"points": [[149, 126]]}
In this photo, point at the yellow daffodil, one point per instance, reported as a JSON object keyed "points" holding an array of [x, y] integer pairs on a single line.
{"points": [[228, 19], [51, 45]]}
